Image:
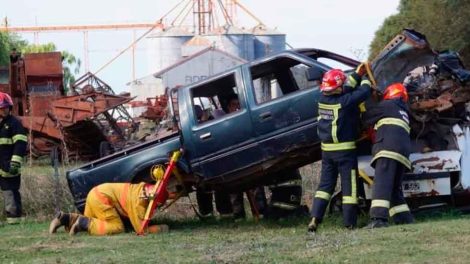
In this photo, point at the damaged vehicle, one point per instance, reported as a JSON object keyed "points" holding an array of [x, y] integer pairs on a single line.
{"points": [[439, 92], [274, 129]]}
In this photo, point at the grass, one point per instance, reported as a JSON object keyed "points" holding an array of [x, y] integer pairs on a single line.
{"points": [[438, 239]]}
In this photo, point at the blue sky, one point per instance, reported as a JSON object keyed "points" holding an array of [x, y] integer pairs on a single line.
{"points": [[341, 26]]}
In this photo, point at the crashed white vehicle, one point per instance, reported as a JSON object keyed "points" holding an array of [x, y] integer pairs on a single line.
{"points": [[439, 90]]}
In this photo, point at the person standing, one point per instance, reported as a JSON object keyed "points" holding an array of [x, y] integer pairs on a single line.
{"points": [[390, 153], [13, 142], [338, 129]]}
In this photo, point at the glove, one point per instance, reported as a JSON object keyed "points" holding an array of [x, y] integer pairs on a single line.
{"points": [[361, 69], [14, 168]]}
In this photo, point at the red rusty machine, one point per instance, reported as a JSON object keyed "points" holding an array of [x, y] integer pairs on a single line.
{"points": [[89, 122]]}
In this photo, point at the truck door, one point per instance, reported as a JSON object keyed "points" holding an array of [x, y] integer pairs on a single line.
{"points": [[220, 140], [284, 106]]}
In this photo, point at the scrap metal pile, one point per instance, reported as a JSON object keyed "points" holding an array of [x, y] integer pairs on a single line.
{"points": [[439, 99], [88, 124]]}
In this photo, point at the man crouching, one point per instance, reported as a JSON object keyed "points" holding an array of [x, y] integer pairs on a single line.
{"points": [[106, 206]]}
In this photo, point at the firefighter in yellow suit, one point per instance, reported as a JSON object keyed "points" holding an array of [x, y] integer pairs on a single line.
{"points": [[106, 207]]}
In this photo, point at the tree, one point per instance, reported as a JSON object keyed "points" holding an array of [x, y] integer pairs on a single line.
{"points": [[444, 22], [7, 43]]}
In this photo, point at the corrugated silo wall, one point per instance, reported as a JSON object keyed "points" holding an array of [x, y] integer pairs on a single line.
{"points": [[268, 44], [165, 49], [240, 45]]}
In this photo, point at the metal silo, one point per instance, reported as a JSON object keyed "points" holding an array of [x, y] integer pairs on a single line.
{"points": [[234, 40], [267, 41], [165, 47], [194, 45]]}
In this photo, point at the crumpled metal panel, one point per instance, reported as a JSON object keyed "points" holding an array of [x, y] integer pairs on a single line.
{"points": [[404, 53], [436, 161]]}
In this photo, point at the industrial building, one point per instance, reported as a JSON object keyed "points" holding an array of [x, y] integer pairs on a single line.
{"points": [[180, 55]]}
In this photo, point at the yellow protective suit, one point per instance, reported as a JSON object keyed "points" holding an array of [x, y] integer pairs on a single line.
{"points": [[108, 203]]}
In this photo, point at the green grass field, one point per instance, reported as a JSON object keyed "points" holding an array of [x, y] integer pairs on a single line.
{"points": [[441, 237], [433, 239]]}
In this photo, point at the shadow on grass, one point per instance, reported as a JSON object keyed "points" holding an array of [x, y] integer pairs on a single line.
{"points": [[334, 220], [197, 224]]}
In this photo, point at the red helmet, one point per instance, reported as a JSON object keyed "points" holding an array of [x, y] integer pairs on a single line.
{"points": [[5, 100], [332, 80], [396, 90]]}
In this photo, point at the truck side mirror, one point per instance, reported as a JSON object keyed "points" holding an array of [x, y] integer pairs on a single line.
{"points": [[315, 73]]}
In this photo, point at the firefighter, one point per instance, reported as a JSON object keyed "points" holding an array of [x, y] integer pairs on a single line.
{"points": [[390, 157], [107, 205], [338, 129], [13, 143]]}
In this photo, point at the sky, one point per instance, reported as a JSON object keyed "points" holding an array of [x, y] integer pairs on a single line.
{"points": [[342, 26]]}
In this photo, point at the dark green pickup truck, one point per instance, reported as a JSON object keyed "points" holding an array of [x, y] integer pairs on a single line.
{"points": [[274, 128]]}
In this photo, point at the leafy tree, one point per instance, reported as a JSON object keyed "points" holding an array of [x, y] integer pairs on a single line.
{"points": [[4, 48], [444, 22], [7, 43]]}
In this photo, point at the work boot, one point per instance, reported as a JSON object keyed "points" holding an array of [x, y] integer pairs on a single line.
{"points": [[62, 219], [81, 224], [403, 218], [377, 223], [312, 227]]}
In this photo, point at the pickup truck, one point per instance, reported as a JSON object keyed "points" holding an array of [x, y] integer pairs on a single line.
{"points": [[273, 131]]}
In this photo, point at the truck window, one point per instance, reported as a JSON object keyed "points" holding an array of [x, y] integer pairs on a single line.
{"points": [[215, 99], [279, 77]]}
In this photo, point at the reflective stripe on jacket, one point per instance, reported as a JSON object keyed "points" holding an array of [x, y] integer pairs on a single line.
{"points": [[13, 142], [392, 140], [338, 122]]}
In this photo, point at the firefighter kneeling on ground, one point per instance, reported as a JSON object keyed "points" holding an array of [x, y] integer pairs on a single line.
{"points": [[338, 109], [13, 143], [390, 157], [106, 207]]}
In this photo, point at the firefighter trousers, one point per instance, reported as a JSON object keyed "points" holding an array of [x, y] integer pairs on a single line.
{"points": [[222, 202], [334, 162], [387, 193], [104, 217], [11, 197]]}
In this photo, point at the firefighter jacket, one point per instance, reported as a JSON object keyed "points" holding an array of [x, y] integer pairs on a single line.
{"points": [[338, 126], [13, 141], [392, 139], [129, 200]]}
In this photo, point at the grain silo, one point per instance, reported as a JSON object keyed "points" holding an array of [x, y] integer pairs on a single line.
{"points": [[233, 40], [165, 46], [267, 41]]}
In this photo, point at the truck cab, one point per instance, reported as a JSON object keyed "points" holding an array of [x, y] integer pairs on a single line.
{"points": [[275, 122]]}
